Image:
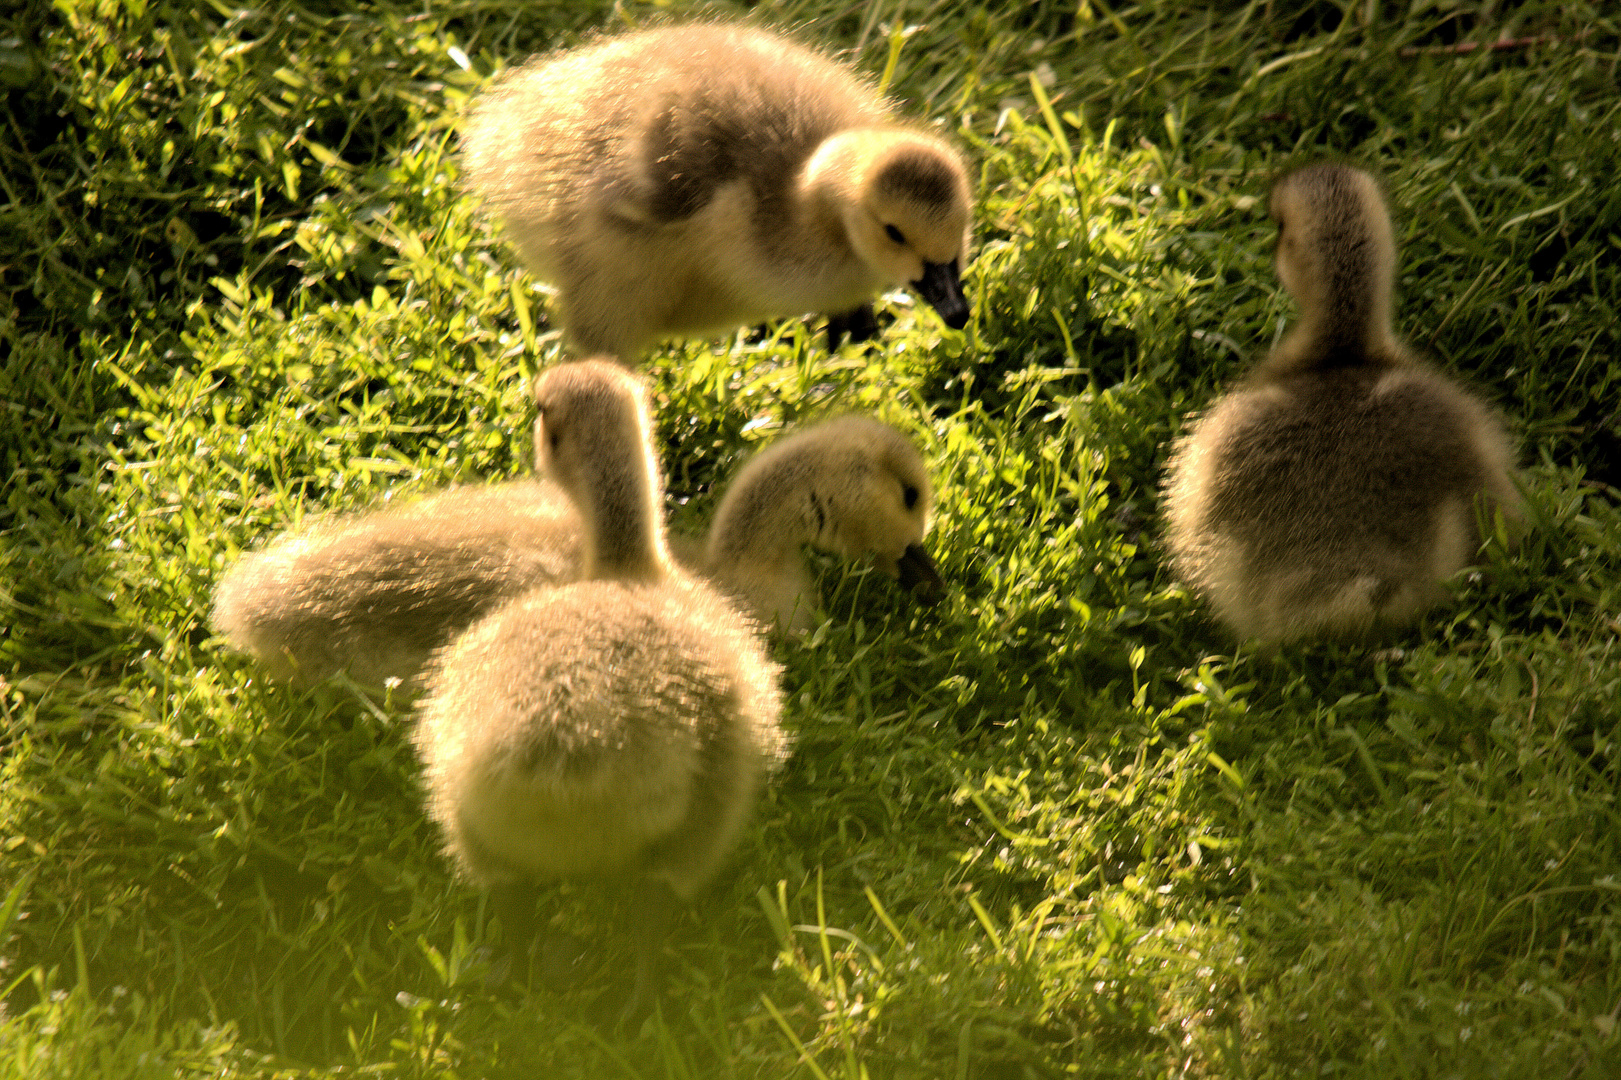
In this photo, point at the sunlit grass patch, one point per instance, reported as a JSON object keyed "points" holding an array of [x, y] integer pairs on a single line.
{"points": [[1057, 825]]}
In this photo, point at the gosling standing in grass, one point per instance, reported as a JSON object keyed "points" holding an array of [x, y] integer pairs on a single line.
{"points": [[618, 727], [851, 486], [1333, 492], [686, 180], [375, 593]]}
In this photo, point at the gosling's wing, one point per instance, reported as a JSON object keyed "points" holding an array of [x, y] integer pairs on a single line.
{"points": [[689, 148], [730, 108]]}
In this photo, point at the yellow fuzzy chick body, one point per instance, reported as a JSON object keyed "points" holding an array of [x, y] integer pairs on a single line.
{"points": [[1333, 492], [686, 180], [616, 728]]}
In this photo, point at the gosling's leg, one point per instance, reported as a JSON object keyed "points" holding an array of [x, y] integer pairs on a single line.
{"points": [[652, 915], [513, 903], [859, 323], [553, 959]]}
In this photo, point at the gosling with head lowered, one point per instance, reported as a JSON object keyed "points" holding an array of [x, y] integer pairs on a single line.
{"points": [[1334, 491], [616, 728], [375, 593], [851, 486], [685, 180]]}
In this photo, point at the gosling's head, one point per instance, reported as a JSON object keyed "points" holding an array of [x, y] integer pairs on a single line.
{"points": [[593, 438], [906, 207], [851, 486], [885, 508], [1336, 253]]}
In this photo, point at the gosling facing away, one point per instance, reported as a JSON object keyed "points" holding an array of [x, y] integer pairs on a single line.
{"points": [[685, 180], [616, 728], [1332, 493], [375, 593]]}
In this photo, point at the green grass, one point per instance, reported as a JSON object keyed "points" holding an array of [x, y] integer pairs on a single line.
{"points": [[1056, 826]]}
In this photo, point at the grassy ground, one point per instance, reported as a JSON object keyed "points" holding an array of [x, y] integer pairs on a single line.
{"points": [[1057, 826]]}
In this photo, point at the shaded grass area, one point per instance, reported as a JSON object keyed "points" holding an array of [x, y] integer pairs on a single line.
{"points": [[1055, 827]]}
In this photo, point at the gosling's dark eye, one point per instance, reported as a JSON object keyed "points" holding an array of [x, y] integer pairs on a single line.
{"points": [[909, 493], [553, 439], [894, 234]]}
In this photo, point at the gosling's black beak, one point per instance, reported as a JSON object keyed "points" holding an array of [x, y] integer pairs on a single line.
{"points": [[919, 576], [941, 286]]}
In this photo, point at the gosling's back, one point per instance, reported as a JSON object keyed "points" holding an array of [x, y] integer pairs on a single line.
{"points": [[622, 728], [1329, 504], [376, 593], [731, 105]]}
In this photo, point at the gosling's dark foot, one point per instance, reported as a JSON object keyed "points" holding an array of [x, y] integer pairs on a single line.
{"points": [[859, 323], [532, 956], [652, 908], [553, 961], [513, 906], [500, 972], [620, 1014], [561, 962]]}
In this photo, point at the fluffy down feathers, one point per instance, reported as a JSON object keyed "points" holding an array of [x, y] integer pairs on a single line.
{"points": [[690, 179], [376, 593], [616, 727], [1334, 491], [608, 729], [851, 486]]}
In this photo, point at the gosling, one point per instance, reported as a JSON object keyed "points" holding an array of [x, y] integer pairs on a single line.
{"points": [[851, 486], [1332, 493], [375, 593], [685, 180], [616, 728]]}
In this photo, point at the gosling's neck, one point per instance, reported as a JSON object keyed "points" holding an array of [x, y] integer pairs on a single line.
{"points": [[760, 540], [1347, 324], [763, 524], [624, 529], [1337, 258], [754, 551]]}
